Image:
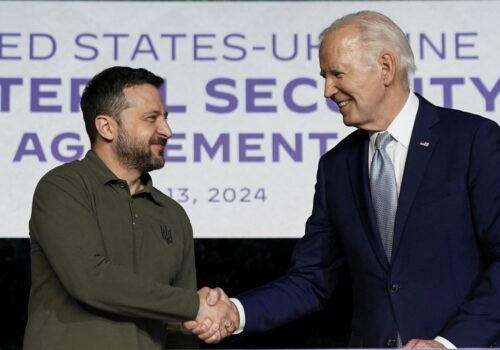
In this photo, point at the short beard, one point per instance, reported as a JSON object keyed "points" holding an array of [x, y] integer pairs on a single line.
{"points": [[133, 156]]}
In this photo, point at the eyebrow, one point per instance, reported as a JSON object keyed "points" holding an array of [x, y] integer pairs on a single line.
{"points": [[156, 112]]}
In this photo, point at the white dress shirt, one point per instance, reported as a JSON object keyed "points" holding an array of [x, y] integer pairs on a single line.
{"points": [[400, 130]]}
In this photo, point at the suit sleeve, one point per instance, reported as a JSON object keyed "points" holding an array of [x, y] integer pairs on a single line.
{"points": [[311, 279], [64, 228], [478, 321]]}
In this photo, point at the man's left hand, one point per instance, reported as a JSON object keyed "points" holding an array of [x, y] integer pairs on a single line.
{"points": [[423, 344]]}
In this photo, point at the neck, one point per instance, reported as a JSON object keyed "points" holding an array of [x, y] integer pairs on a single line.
{"points": [[394, 103], [131, 176]]}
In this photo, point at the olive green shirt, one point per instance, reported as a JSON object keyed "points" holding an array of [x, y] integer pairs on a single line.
{"points": [[109, 270]]}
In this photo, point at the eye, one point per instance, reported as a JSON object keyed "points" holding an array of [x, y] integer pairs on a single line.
{"points": [[323, 75]]}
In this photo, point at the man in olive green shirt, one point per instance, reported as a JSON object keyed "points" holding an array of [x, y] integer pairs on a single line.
{"points": [[112, 257]]}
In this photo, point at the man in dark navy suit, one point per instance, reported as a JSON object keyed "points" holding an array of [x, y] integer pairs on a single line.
{"points": [[410, 202]]}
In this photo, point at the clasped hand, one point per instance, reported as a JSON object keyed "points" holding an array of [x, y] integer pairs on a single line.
{"points": [[217, 316]]}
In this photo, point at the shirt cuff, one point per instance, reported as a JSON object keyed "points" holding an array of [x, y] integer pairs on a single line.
{"points": [[447, 344], [241, 312]]}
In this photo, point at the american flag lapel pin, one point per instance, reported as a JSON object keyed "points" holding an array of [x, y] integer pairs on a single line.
{"points": [[424, 143]]}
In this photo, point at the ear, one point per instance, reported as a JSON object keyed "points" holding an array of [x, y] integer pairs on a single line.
{"points": [[106, 127], [388, 66]]}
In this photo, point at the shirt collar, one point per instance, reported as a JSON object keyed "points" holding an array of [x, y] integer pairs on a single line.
{"points": [[101, 171], [402, 126], [149, 189], [106, 176]]}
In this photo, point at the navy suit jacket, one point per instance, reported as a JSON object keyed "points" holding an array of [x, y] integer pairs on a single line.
{"points": [[444, 276]]}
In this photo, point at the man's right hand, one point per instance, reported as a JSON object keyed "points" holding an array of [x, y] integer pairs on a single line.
{"points": [[217, 316]]}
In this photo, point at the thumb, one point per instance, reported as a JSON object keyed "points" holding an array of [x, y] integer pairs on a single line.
{"points": [[213, 297]]}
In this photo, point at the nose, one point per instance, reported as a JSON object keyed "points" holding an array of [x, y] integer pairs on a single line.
{"points": [[330, 87], [164, 129]]}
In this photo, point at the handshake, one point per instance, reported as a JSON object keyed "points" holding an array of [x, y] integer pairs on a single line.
{"points": [[217, 317]]}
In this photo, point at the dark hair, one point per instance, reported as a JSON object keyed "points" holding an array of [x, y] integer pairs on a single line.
{"points": [[104, 95]]}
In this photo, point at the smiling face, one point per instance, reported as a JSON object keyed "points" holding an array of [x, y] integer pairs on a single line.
{"points": [[354, 79], [143, 130]]}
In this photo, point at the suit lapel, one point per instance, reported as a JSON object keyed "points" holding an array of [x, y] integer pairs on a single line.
{"points": [[357, 163], [422, 144]]}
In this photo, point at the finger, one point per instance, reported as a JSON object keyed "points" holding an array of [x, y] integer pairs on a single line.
{"points": [[427, 344], [208, 323], [206, 337], [228, 323], [437, 344], [411, 343], [227, 329], [190, 325], [203, 290], [203, 327], [214, 339], [223, 333], [231, 329], [208, 334], [227, 326], [234, 316], [421, 344]]}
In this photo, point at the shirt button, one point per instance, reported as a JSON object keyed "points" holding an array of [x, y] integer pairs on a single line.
{"points": [[136, 216], [395, 288], [390, 343], [122, 185]]}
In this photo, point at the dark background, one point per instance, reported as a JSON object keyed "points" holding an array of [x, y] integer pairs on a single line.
{"points": [[235, 265]]}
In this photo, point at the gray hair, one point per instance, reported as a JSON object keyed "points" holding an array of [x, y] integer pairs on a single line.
{"points": [[379, 33]]}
